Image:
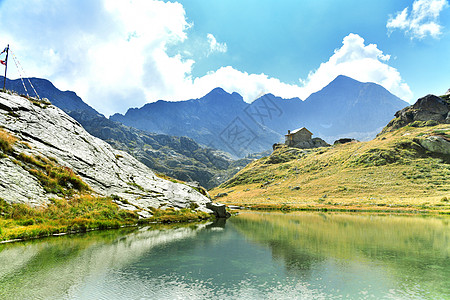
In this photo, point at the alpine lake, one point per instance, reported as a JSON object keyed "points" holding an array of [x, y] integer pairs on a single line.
{"points": [[254, 255]]}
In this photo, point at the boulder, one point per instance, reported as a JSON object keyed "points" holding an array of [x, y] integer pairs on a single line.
{"points": [[221, 195], [277, 146], [344, 141], [436, 144], [428, 108], [218, 209]]}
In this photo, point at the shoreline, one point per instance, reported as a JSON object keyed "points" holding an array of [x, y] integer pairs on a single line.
{"points": [[289, 208], [136, 225]]}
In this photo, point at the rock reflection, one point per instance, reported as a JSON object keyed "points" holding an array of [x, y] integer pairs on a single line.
{"points": [[50, 268]]}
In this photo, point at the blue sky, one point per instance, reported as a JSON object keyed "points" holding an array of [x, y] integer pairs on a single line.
{"points": [[121, 54]]}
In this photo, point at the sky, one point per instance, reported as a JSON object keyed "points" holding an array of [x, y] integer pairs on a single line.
{"points": [[121, 54]]}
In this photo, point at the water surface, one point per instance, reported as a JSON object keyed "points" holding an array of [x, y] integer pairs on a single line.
{"points": [[252, 256]]}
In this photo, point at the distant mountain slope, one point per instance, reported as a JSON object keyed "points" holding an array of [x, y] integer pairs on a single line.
{"points": [[347, 106], [67, 101], [218, 119], [344, 108]]}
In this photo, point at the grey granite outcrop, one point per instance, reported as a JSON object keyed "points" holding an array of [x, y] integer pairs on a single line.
{"points": [[53, 134]]}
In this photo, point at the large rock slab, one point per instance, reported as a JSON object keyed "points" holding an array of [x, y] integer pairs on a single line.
{"points": [[52, 133]]}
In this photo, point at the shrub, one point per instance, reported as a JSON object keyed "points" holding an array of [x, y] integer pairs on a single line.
{"points": [[431, 123], [417, 124]]}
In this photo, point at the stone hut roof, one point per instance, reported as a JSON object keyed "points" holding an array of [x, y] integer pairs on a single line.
{"points": [[298, 130]]}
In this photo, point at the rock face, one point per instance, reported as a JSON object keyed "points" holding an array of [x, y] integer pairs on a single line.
{"points": [[53, 134], [428, 108]]}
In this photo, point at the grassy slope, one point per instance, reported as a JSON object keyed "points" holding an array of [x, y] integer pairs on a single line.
{"points": [[391, 172]]}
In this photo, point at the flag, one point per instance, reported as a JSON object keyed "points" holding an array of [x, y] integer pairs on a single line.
{"points": [[3, 62]]}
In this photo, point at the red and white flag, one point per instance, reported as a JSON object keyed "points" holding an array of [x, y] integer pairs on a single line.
{"points": [[3, 62]]}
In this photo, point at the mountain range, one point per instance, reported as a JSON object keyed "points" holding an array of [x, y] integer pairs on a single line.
{"points": [[170, 137], [344, 108]]}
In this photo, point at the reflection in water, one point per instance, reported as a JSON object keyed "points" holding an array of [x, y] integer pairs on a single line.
{"points": [[52, 268], [409, 253], [252, 256]]}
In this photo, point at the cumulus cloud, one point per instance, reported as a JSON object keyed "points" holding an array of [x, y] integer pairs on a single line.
{"points": [[114, 54], [362, 62], [421, 22], [214, 46]]}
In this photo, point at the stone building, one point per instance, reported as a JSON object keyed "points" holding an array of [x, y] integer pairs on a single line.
{"points": [[296, 136], [302, 138]]}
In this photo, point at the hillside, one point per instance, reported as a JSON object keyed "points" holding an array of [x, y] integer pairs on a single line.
{"points": [[47, 155], [344, 108], [178, 157], [407, 168]]}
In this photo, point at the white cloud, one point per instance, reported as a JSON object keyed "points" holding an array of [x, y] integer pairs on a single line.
{"points": [[361, 62], [214, 46], [422, 21], [114, 54]]}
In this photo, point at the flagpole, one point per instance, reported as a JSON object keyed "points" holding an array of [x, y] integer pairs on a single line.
{"points": [[6, 67]]}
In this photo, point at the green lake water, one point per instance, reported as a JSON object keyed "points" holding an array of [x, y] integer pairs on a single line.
{"points": [[250, 256]]}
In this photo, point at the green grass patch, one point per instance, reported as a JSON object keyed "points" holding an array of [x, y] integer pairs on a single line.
{"points": [[20, 221], [171, 215], [80, 214]]}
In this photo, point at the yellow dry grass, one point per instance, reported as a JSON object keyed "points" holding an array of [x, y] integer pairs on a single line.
{"points": [[7, 140], [390, 172]]}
